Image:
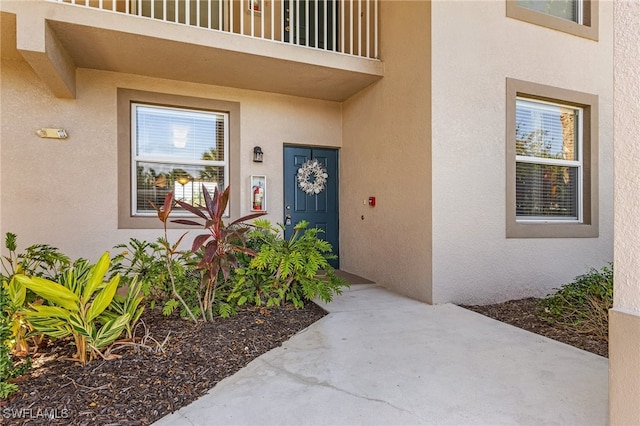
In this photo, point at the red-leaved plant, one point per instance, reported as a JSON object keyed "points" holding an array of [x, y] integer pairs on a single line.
{"points": [[221, 243]]}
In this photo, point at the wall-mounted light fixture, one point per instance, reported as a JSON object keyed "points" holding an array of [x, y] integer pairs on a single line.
{"points": [[52, 133], [257, 154]]}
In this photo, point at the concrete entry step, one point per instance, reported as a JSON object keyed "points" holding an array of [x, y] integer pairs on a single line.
{"points": [[353, 278]]}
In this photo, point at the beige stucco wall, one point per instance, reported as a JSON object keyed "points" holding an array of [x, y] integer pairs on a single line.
{"points": [[438, 177], [64, 192], [627, 155], [386, 154], [624, 325], [475, 48]]}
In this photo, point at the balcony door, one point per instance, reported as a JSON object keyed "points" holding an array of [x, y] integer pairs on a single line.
{"points": [[200, 13], [312, 23]]}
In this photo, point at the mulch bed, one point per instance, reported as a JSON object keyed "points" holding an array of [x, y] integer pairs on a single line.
{"points": [[181, 362], [521, 313]]}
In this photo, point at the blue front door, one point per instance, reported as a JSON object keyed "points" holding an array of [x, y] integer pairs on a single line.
{"points": [[321, 209]]}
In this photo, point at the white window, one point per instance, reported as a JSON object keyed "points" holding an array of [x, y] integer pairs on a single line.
{"points": [[179, 150], [549, 164], [571, 10]]}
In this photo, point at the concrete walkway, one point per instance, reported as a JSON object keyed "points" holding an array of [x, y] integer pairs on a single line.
{"points": [[382, 359]]}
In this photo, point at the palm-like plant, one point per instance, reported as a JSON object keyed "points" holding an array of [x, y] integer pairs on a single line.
{"points": [[220, 244]]}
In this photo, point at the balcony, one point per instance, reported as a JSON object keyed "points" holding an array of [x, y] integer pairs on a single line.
{"points": [[323, 49]]}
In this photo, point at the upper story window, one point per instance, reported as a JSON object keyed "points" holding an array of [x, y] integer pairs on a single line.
{"points": [[551, 162], [577, 17], [176, 149], [565, 9]]}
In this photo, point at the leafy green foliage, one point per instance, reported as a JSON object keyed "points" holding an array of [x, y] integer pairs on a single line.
{"points": [[187, 281], [287, 270], [582, 305], [219, 246], [41, 260], [169, 254], [16, 296], [74, 306], [128, 304], [140, 261], [148, 264], [170, 306], [8, 368]]}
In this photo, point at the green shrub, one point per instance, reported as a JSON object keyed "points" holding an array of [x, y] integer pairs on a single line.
{"points": [[286, 270], [147, 264], [217, 248], [38, 260], [140, 261], [8, 368], [128, 304], [187, 279], [582, 305], [75, 306]]}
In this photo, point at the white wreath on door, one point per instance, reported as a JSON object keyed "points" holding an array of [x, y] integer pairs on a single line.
{"points": [[312, 177]]}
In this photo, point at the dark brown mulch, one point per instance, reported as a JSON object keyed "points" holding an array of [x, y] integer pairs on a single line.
{"points": [[146, 384], [521, 313]]}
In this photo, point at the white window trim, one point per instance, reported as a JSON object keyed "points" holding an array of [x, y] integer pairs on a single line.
{"points": [[577, 164], [160, 160]]}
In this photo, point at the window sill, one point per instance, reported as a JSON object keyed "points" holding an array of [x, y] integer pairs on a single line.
{"points": [[552, 230]]}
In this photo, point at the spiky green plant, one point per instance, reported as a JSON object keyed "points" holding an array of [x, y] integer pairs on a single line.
{"points": [[75, 305]]}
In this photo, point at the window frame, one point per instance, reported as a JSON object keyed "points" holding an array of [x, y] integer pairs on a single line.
{"points": [[136, 157], [587, 28], [575, 164], [587, 225], [126, 98]]}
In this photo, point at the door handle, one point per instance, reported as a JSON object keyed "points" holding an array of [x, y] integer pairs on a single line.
{"points": [[287, 220]]}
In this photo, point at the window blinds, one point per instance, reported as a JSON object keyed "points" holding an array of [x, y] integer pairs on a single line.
{"points": [[548, 161], [176, 150]]}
